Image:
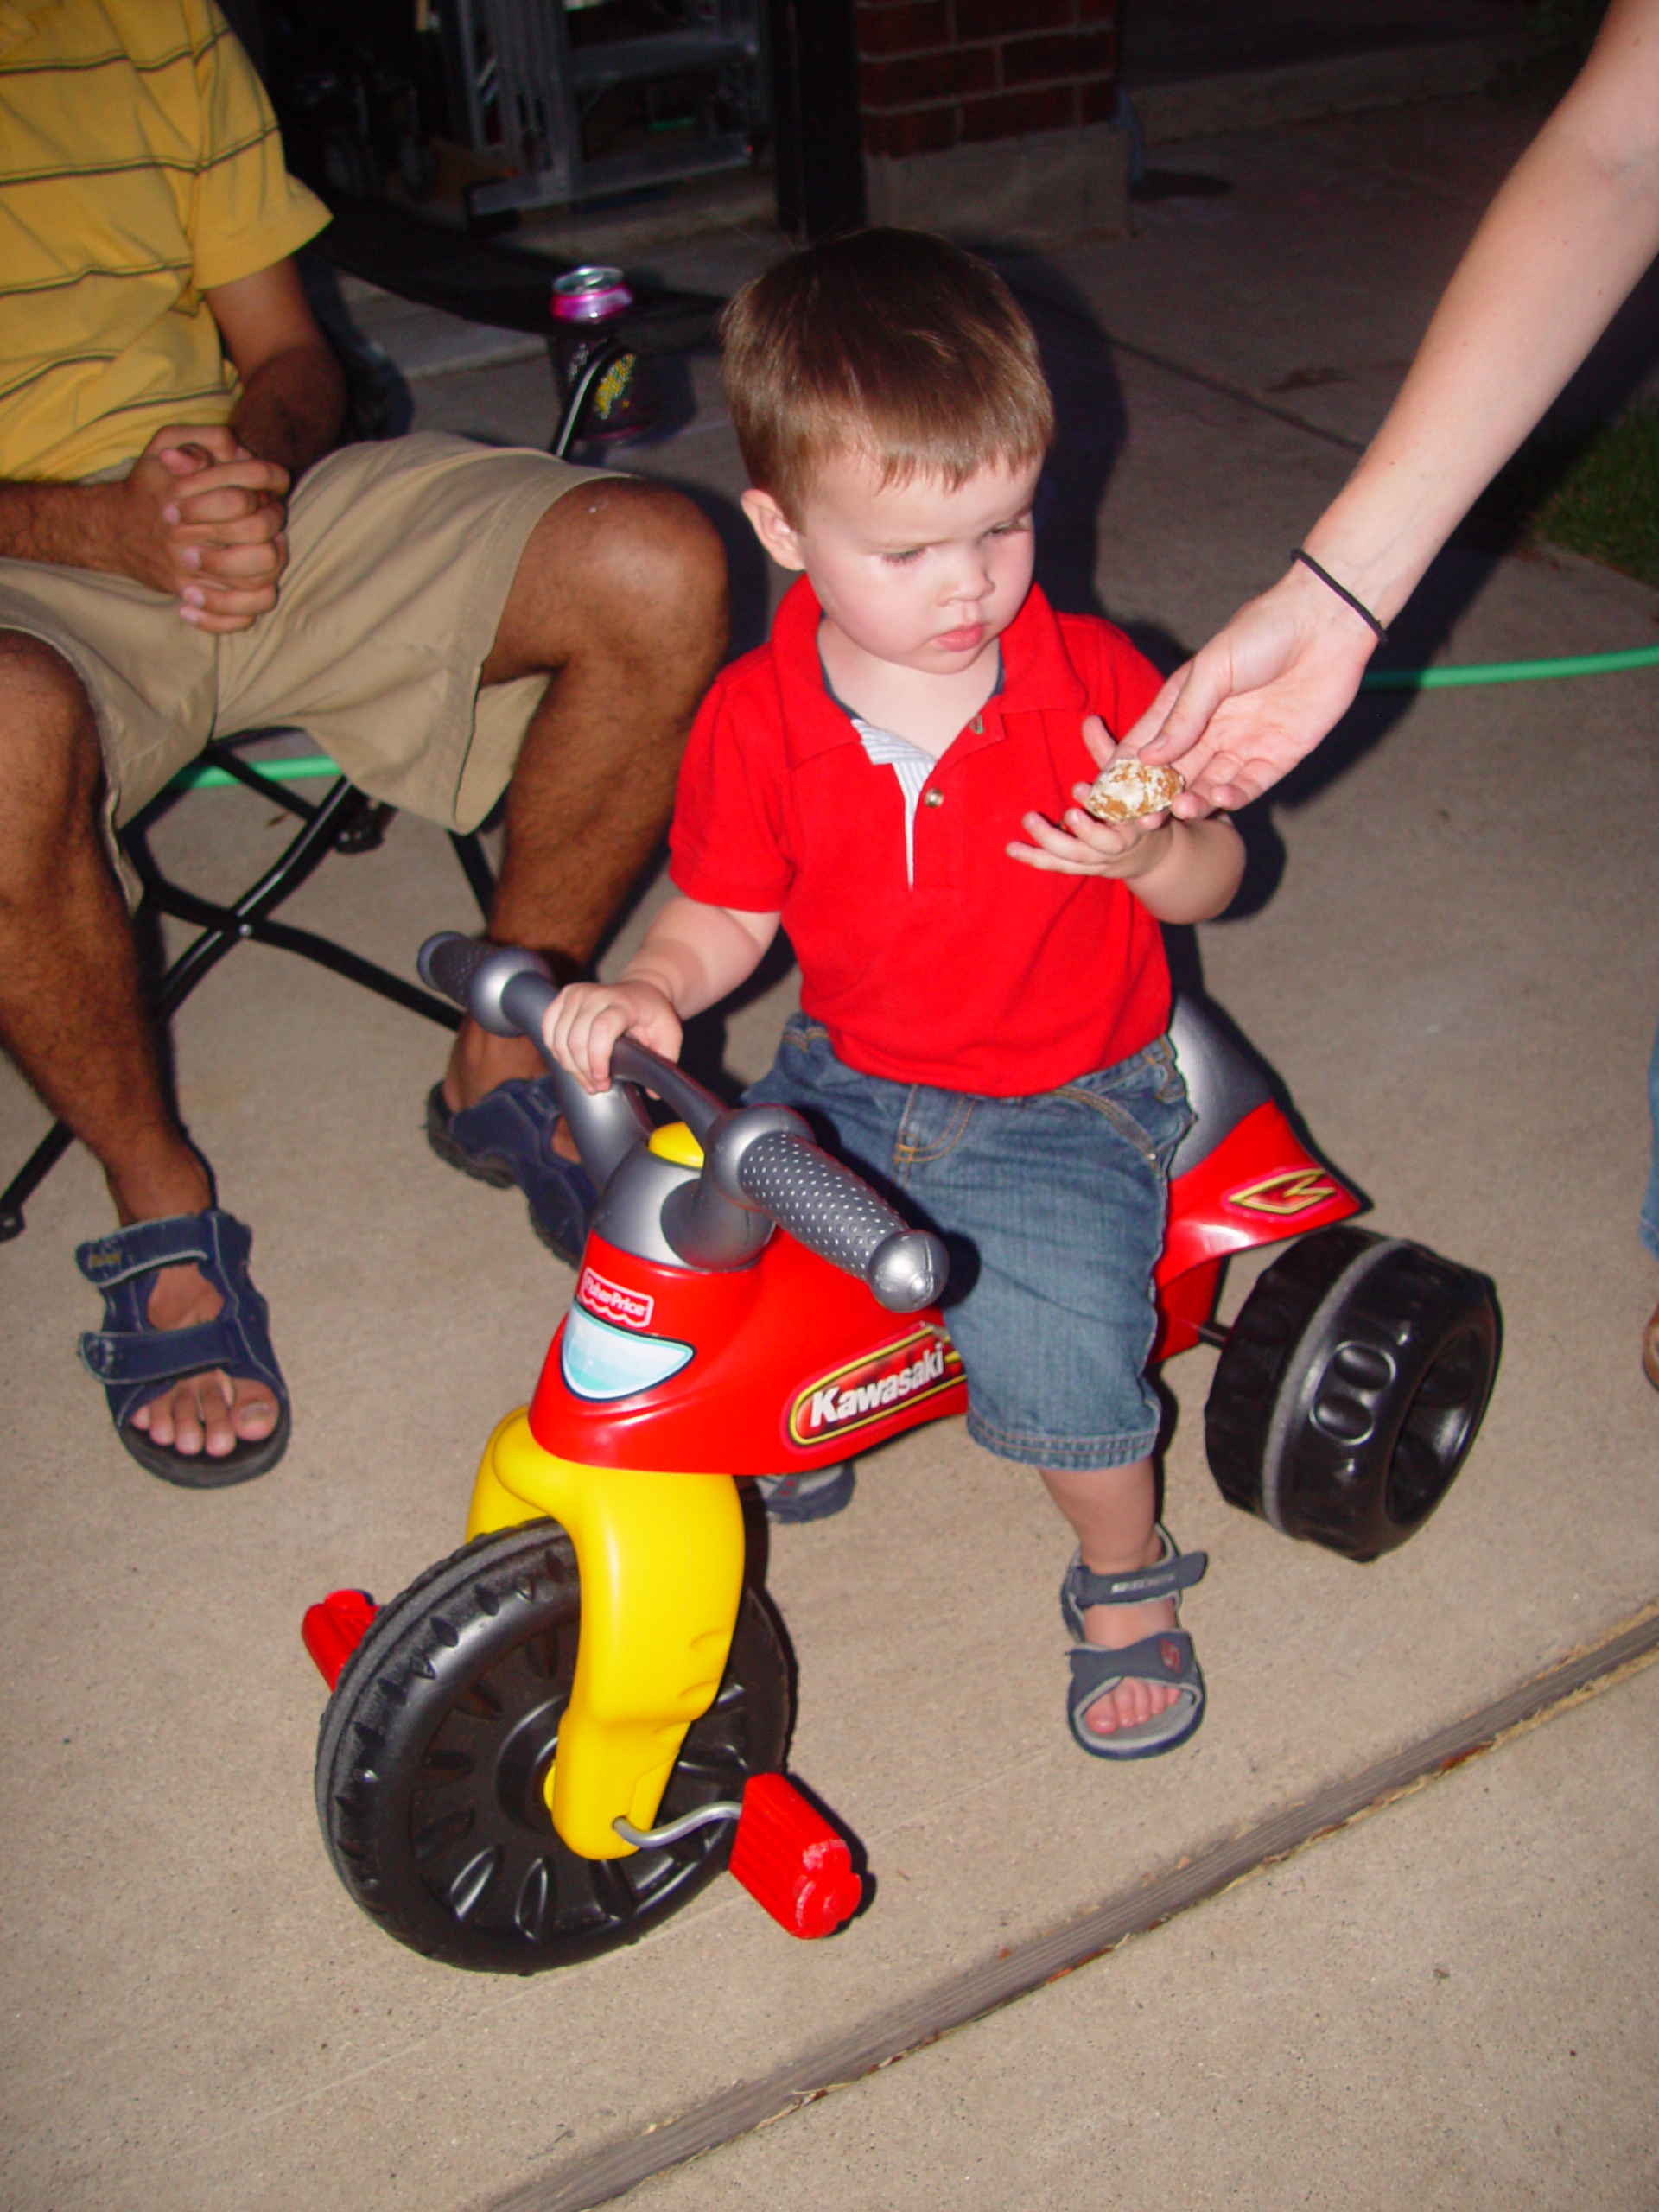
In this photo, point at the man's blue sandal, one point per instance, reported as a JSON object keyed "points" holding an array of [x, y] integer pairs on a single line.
{"points": [[134, 1362], [1166, 1656], [507, 1138]]}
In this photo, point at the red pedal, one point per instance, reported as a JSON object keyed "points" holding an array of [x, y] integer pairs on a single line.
{"points": [[334, 1630], [788, 1857]]}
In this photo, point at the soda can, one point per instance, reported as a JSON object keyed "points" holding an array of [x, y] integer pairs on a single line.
{"points": [[585, 303]]}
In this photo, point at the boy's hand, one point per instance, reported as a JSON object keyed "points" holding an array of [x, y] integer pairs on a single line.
{"points": [[585, 1021], [1081, 845]]}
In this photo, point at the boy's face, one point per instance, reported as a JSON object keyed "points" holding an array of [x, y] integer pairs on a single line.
{"points": [[913, 574]]}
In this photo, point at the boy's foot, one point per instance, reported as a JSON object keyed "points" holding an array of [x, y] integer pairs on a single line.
{"points": [[1156, 1699], [806, 1498], [1650, 1349], [1114, 1628]]}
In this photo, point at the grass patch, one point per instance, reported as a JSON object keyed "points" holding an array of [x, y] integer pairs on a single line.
{"points": [[1600, 497]]}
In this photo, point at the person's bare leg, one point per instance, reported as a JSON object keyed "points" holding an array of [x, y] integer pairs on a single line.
{"points": [[72, 1013], [621, 596], [1113, 1510]]}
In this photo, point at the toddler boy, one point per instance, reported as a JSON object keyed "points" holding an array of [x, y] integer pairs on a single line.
{"points": [[894, 779]]}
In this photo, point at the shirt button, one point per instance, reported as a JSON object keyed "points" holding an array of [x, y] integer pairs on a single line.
{"points": [[932, 798]]}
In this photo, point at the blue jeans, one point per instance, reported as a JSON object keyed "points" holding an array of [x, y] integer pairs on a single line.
{"points": [[1053, 1208], [1650, 1202]]}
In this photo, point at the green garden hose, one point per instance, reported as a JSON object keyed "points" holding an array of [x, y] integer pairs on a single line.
{"points": [[280, 771], [1379, 679], [1508, 671]]}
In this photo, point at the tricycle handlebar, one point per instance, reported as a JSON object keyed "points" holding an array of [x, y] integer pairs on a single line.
{"points": [[826, 1207], [758, 1159]]}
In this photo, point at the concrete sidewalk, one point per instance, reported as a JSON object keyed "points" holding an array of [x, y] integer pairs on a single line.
{"points": [[1447, 2007], [1447, 2004]]}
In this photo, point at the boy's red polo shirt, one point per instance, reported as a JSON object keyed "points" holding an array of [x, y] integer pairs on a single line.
{"points": [[984, 975]]}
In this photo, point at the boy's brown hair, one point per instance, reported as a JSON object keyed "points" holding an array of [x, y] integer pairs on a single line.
{"points": [[889, 343]]}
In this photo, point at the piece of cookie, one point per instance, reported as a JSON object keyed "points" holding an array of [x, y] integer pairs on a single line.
{"points": [[1129, 788]]}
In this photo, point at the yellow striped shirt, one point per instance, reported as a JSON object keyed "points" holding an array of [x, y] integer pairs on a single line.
{"points": [[140, 165]]}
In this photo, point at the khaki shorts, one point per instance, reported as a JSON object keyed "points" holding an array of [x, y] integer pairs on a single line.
{"points": [[401, 557]]}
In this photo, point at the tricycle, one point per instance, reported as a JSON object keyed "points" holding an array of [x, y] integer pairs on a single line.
{"points": [[556, 1738]]}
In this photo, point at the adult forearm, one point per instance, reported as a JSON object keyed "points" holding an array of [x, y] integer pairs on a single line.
{"points": [[195, 517], [1559, 249], [292, 408], [68, 524]]}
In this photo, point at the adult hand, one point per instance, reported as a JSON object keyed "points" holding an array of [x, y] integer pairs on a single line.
{"points": [[202, 519], [1259, 696], [1080, 844]]}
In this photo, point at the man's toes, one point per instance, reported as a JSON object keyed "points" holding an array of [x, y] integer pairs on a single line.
{"points": [[175, 1424], [233, 1413], [254, 1413], [165, 1422], [219, 1424], [202, 1414], [210, 1414]]}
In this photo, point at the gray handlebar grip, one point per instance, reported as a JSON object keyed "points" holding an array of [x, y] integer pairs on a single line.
{"points": [[505, 989], [449, 962], [826, 1208]]}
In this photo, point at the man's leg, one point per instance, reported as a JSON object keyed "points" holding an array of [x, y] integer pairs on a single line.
{"points": [[621, 595], [72, 1012]]}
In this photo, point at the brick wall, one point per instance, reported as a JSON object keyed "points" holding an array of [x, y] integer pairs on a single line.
{"points": [[936, 74]]}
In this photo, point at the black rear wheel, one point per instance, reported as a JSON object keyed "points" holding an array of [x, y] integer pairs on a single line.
{"points": [[1350, 1388], [436, 1744]]}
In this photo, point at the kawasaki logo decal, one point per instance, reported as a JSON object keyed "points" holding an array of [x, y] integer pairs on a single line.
{"points": [[868, 1390]]}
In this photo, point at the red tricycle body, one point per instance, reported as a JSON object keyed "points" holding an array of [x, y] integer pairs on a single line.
{"points": [[544, 1744], [788, 1364]]}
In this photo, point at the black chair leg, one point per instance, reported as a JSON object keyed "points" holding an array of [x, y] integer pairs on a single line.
{"points": [[344, 820], [29, 1178], [479, 876]]}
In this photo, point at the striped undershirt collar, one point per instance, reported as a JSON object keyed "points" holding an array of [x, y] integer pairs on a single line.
{"points": [[908, 762]]}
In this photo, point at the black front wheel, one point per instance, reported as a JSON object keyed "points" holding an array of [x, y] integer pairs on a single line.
{"points": [[1350, 1388], [435, 1746]]}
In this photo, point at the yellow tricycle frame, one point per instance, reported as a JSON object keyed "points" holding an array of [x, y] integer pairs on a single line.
{"points": [[660, 1557]]}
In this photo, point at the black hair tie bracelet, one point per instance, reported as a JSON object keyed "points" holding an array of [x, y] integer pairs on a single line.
{"points": [[1342, 592]]}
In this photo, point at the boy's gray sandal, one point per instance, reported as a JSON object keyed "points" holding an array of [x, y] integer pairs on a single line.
{"points": [[812, 1496], [134, 1362], [1166, 1656]]}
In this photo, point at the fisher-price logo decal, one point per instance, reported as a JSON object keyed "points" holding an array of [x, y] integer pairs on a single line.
{"points": [[869, 1391], [1297, 1189], [613, 1301]]}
